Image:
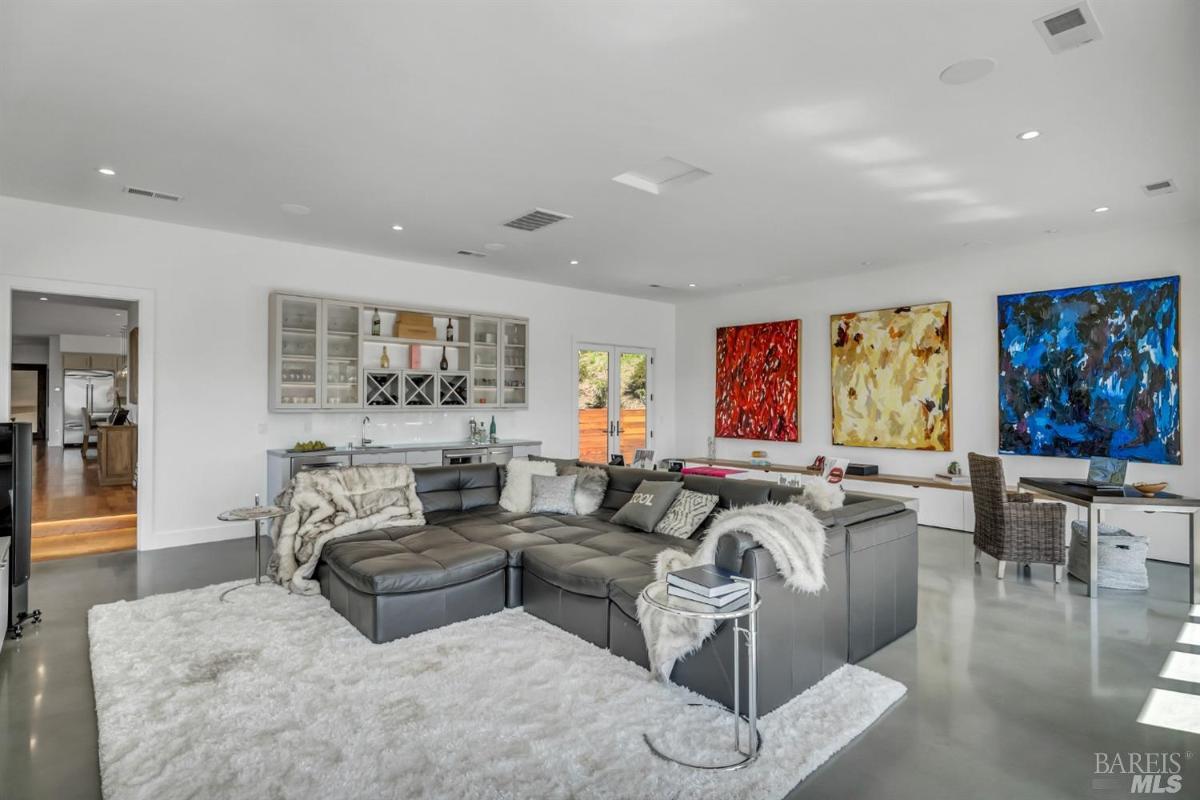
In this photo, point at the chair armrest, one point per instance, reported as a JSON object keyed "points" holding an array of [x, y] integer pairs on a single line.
{"points": [[1045, 517], [1020, 497]]}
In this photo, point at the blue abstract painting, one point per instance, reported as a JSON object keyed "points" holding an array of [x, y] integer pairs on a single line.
{"points": [[1092, 371]]}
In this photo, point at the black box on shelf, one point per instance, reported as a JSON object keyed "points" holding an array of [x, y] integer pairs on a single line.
{"points": [[862, 469]]}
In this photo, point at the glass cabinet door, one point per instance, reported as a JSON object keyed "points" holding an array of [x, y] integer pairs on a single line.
{"points": [[485, 361], [297, 350], [341, 366], [515, 366]]}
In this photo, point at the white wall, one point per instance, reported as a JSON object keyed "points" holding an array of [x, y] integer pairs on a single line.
{"points": [[971, 281], [210, 290], [31, 353], [54, 405]]}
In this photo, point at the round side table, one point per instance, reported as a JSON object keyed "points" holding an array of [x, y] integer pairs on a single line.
{"points": [[745, 630], [256, 514]]}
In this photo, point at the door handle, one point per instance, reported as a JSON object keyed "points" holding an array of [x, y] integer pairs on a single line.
{"points": [[612, 428]]}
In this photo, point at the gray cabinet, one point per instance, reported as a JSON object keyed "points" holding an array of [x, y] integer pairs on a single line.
{"points": [[341, 355]]}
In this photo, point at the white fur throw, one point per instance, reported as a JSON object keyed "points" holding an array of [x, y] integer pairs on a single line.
{"points": [[822, 496], [789, 532], [328, 504], [518, 484]]}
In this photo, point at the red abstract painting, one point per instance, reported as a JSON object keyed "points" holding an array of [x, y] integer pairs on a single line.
{"points": [[758, 381]]}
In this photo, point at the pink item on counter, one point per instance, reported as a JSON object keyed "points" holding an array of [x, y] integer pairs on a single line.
{"points": [[712, 472]]}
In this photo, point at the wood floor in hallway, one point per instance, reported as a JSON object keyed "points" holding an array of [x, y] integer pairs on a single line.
{"points": [[72, 513]]}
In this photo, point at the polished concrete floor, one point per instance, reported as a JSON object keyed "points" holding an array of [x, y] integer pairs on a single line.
{"points": [[1014, 685]]}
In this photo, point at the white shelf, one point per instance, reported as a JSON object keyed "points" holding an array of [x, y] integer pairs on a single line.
{"points": [[417, 342]]}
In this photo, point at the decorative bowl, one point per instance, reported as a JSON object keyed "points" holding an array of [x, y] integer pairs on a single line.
{"points": [[1150, 489]]}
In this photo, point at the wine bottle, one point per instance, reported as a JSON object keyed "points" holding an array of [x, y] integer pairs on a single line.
{"points": [[449, 332], [492, 430], [384, 361], [376, 324], [444, 365]]}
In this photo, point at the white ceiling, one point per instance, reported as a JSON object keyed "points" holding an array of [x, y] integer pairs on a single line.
{"points": [[832, 144], [64, 314]]}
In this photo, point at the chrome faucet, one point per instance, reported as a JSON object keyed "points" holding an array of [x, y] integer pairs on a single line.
{"points": [[363, 440]]}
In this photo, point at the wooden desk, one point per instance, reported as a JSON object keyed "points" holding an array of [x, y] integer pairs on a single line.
{"points": [[117, 448], [1128, 498]]}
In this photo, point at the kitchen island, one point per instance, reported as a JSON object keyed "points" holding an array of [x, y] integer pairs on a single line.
{"points": [[282, 464]]}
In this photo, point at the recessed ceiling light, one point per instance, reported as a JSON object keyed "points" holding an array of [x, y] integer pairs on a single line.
{"points": [[1100, 209], [397, 227], [574, 262], [691, 286], [1027, 135], [43, 299], [116, 313], [107, 171], [297, 209], [968, 70]]}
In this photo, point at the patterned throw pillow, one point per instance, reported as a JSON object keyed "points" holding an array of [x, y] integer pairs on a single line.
{"points": [[686, 514], [553, 495], [648, 504], [590, 485]]}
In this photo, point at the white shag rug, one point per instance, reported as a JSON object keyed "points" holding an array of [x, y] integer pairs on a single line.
{"points": [[274, 695]]}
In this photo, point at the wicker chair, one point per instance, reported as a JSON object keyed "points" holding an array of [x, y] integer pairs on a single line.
{"points": [[1011, 527]]}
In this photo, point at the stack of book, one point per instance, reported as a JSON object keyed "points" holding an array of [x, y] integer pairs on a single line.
{"points": [[709, 585]]}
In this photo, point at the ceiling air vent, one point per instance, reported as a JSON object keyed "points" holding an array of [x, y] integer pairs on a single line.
{"points": [[472, 253], [1069, 28], [1159, 187], [538, 218], [174, 198]]}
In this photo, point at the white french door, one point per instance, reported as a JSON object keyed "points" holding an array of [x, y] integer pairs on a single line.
{"points": [[614, 398]]}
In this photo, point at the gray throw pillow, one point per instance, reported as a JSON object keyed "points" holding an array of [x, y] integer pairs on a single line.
{"points": [[590, 485], [686, 513], [553, 495], [648, 504]]}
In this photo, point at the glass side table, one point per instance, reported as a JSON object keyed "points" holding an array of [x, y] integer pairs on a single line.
{"points": [[256, 514], [745, 630]]}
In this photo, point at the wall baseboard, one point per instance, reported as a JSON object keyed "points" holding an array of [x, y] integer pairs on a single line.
{"points": [[160, 540]]}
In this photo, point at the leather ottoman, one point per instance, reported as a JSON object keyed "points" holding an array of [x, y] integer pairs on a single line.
{"points": [[396, 582]]}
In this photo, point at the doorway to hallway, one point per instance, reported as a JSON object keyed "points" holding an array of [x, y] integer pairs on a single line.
{"points": [[84, 495]]}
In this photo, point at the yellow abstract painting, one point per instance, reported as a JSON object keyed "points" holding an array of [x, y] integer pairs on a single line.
{"points": [[891, 377]]}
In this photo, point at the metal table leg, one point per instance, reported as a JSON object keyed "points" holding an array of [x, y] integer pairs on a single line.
{"points": [[1193, 551], [1093, 551], [257, 558], [748, 634]]}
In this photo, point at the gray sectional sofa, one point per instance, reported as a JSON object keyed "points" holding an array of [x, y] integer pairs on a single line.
{"points": [[584, 573]]}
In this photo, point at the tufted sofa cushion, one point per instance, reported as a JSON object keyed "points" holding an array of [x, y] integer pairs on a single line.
{"points": [[590, 565], [457, 488], [396, 560]]}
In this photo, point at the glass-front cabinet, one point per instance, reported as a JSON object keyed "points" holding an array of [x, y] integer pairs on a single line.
{"points": [[295, 377], [515, 370], [342, 354], [341, 361], [485, 361]]}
